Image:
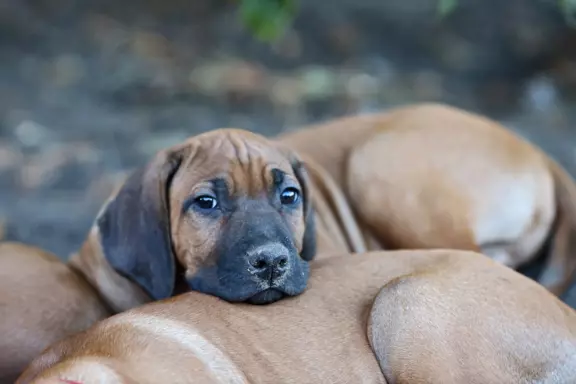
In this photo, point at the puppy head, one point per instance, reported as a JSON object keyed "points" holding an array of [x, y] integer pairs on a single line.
{"points": [[229, 207]]}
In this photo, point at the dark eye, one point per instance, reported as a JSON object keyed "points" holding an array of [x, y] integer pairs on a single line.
{"points": [[206, 202], [289, 196]]}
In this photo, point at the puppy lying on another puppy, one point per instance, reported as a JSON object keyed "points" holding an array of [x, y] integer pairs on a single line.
{"points": [[238, 216], [233, 214], [438, 316]]}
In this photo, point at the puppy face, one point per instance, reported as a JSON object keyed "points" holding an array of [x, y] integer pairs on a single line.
{"points": [[229, 207]]}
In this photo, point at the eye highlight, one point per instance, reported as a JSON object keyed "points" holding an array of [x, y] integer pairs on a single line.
{"points": [[206, 202], [289, 196]]}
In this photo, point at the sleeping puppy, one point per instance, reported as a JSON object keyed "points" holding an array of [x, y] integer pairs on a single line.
{"points": [[436, 317], [433, 176], [41, 301]]}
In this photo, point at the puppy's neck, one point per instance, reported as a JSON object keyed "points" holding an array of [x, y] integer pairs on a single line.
{"points": [[117, 291]]}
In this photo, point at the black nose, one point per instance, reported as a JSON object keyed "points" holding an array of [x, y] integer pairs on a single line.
{"points": [[268, 266]]}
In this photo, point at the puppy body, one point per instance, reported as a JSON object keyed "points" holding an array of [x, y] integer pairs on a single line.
{"points": [[432, 176], [41, 301], [472, 322], [440, 316]]}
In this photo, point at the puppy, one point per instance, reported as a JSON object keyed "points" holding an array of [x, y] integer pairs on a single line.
{"points": [[433, 176], [41, 301], [226, 213], [439, 316]]}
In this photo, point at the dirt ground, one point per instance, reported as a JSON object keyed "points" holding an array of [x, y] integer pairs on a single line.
{"points": [[91, 89]]}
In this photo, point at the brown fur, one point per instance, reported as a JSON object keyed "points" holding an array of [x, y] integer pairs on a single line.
{"points": [[440, 317], [41, 301], [433, 176]]}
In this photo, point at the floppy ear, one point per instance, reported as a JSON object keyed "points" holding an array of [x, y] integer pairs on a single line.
{"points": [[309, 242], [135, 228]]}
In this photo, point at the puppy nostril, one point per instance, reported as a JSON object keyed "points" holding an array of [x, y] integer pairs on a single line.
{"points": [[283, 262], [259, 263]]}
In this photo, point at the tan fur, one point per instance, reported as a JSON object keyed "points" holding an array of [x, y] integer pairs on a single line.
{"points": [[41, 301], [440, 317], [502, 328], [433, 176]]}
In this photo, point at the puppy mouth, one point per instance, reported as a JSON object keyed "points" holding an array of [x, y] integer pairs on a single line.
{"points": [[267, 296]]}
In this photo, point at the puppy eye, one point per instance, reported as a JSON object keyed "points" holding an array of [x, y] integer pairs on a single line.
{"points": [[289, 196], [206, 202]]}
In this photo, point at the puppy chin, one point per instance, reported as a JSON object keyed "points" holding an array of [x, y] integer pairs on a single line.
{"points": [[267, 296], [236, 287]]}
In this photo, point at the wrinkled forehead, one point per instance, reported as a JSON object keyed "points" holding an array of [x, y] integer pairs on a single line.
{"points": [[248, 163]]}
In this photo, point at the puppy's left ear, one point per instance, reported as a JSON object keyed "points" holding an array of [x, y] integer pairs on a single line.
{"points": [[309, 241]]}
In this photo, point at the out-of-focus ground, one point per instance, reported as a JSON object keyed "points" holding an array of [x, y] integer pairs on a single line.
{"points": [[90, 89]]}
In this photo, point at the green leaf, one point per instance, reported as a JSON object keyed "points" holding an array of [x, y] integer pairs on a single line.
{"points": [[568, 8], [267, 19], [445, 7]]}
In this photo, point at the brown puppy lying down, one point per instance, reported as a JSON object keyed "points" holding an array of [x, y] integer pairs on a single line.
{"points": [[228, 213], [433, 176], [437, 316], [41, 301]]}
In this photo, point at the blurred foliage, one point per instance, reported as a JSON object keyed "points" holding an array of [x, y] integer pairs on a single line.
{"points": [[268, 19]]}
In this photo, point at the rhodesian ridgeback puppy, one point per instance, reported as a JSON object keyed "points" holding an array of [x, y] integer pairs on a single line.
{"points": [[433, 176], [428, 316], [41, 301], [228, 213]]}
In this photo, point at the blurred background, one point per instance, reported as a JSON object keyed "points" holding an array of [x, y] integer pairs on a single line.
{"points": [[90, 89]]}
